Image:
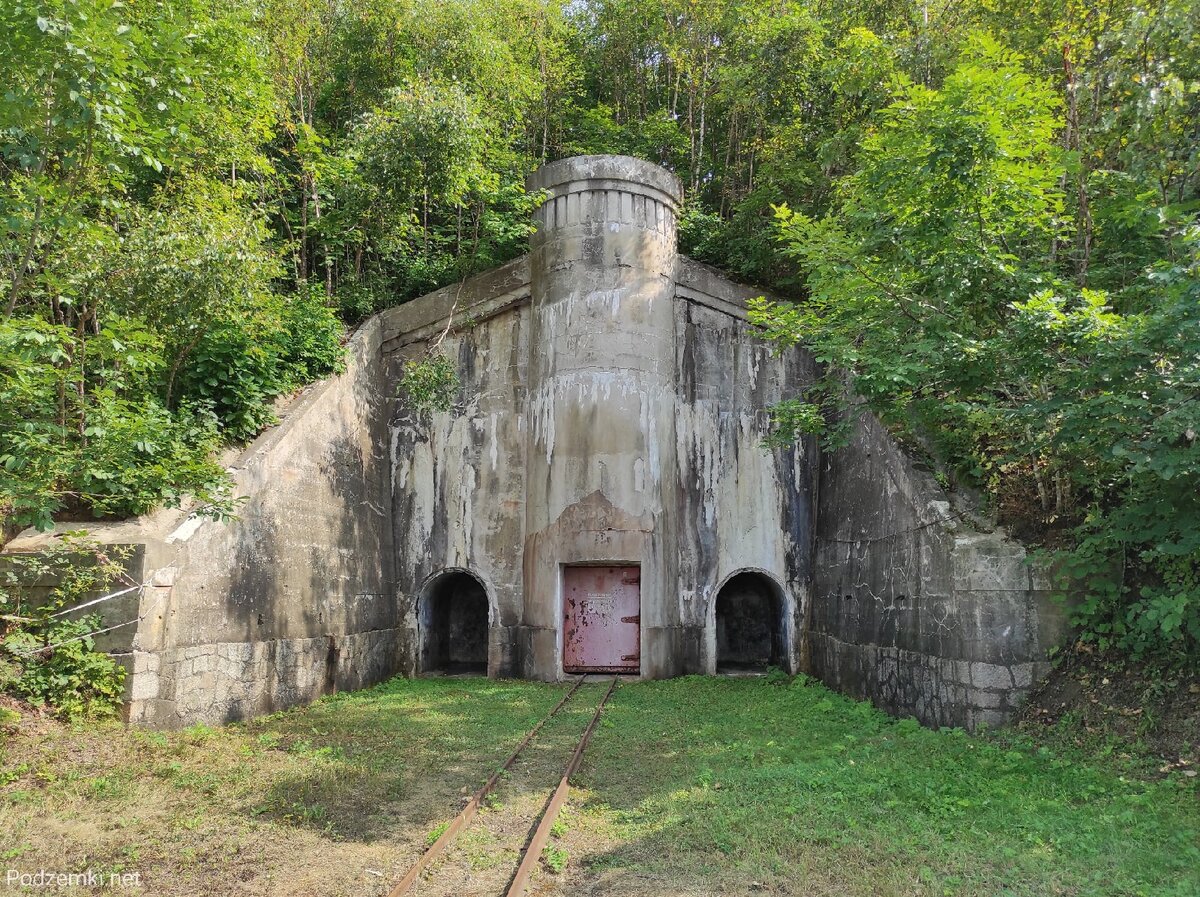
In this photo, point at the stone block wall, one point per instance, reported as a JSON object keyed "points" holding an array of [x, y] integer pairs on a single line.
{"points": [[223, 681], [915, 608]]}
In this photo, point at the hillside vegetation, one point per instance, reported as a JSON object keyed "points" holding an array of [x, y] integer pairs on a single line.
{"points": [[982, 213]]}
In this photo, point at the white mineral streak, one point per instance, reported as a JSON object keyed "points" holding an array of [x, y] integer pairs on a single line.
{"points": [[587, 386], [747, 501], [559, 317], [611, 298], [650, 429], [493, 440], [465, 532], [425, 492], [752, 356], [698, 451]]}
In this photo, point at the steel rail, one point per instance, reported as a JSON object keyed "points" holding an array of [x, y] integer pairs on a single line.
{"points": [[463, 819], [541, 836]]}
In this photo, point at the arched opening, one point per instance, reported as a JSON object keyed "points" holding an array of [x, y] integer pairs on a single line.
{"points": [[749, 616], [454, 624]]}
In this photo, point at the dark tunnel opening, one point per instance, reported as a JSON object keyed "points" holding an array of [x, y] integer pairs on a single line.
{"points": [[749, 622], [454, 625]]}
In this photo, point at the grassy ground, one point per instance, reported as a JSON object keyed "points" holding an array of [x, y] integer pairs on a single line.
{"points": [[692, 787], [805, 792]]}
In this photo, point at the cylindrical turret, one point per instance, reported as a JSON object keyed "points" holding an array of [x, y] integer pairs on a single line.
{"points": [[602, 265], [601, 475]]}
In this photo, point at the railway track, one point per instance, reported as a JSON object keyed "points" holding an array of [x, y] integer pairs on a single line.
{"points": [[531, 852]]}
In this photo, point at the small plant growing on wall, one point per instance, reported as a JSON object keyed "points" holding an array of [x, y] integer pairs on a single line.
{"points": [[431, 382], [45, 658]]}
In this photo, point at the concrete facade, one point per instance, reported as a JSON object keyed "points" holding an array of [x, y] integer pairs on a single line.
{"points": [[611, 414], [917, 608]]}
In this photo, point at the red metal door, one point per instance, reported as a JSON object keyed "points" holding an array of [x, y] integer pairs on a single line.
{"points": [[602, 619]]}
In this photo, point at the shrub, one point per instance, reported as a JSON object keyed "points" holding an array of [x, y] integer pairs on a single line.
{"points": [[358, 299], [310, 339], [139, 456], [431, 383], [70, 675], [80, 427], [53, 661], [234, 371], [243, 362]]}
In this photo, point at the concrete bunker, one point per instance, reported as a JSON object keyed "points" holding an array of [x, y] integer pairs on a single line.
{"points": [[453, 623], [749, 623], [612, 416]]}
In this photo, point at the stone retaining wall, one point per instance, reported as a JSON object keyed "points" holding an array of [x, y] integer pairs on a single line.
{"points": [[916, 608]]}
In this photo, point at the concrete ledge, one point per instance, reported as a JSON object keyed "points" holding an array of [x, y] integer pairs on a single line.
{"points": [[608, 172], [501, 289], [473, 299], [707, 286]]}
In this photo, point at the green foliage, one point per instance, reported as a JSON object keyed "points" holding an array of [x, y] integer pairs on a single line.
{"points": [[700, 232], [1117, 400], [122, 133], [52, 659], [943, 282], [242, 363], [310, 338], [77, 429], [139, 457], [236, 374], [555, 858], [101, 99], [359, 298], [820, 415], [409, 131], [430, 189], [431, 383], [71, 676]]}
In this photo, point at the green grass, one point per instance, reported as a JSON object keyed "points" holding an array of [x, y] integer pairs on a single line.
{"points": [[809, 792], [320, 800], [691, 787]]}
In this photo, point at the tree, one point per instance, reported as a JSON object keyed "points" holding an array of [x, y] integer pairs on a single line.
{"points": [[939, 285]]}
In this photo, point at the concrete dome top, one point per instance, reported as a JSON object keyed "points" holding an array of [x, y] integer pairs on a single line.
{"points": [[624, 173]]}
